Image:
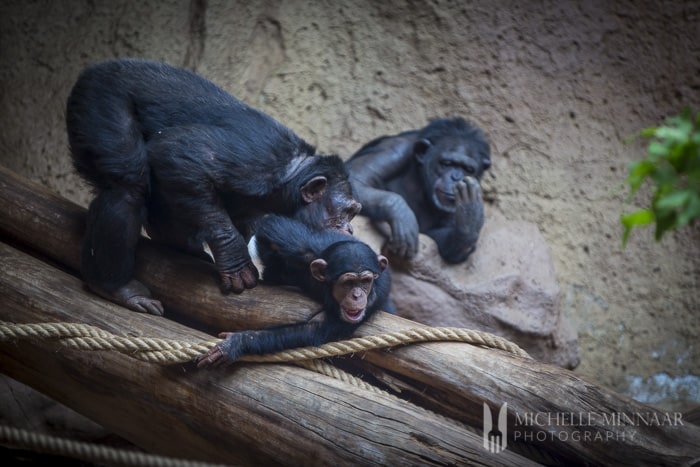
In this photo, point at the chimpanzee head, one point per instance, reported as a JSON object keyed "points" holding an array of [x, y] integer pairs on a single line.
{"points": [[324, 198], [447, 152], [349, 270]]}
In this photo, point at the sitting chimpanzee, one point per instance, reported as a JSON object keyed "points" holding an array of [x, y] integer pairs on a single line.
{"points": [[168, 150], [425, 180], [344, 274]]}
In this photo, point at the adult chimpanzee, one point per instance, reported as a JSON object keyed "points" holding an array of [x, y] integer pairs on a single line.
{"points": [[168, 150], [425, 180], [344, 274]]}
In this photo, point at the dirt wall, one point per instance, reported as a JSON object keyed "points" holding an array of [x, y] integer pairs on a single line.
{"points": [[556, 85]]}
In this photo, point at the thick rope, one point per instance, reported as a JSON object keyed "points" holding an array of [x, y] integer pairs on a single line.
{"points": [[168, 351], [319, 366], [93, 453]]}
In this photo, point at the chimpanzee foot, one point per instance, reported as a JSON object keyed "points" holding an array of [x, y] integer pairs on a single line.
{"points": [[238, 281], [134, 295]]}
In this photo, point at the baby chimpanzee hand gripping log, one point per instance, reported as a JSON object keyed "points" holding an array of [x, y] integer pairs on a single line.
{"points": [[344, 274], [168, 150]]}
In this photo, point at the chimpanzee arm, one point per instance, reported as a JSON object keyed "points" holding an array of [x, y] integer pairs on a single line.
{"points": [[370, 170], [199, 207], [229, 249], [457, 240], [260, 342]]}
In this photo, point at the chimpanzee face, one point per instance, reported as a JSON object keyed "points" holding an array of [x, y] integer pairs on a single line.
{"points": [[329, 206], [448, 163], [341, 208], [350, 290]]}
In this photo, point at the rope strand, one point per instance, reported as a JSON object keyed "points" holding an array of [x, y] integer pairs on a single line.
{"points": [[54, 445], [168, 351]]}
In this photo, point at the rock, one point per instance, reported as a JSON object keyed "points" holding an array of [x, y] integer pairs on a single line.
{"points": [[506, 287]]}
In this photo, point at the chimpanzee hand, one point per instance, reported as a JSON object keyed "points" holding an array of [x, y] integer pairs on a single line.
{"points": [[404, 233], [469, 215], [224, 353], [238, 281]]}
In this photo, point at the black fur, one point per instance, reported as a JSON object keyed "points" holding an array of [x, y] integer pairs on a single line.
{"points": [[426, 181], [167, 149], [287, 247]]}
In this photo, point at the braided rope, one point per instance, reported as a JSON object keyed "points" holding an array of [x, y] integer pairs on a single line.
{"points": [[319, 366], [167, 351], [87, 451], [81, 336]]}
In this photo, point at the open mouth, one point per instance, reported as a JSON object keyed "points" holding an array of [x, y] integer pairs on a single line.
{"points": [[353, 316]]}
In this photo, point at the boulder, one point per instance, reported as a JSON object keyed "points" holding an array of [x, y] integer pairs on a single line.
{"points": [[506, 287]]}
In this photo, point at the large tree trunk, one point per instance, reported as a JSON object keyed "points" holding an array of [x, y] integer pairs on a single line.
{"points": [[571, 418], [262, 414]]}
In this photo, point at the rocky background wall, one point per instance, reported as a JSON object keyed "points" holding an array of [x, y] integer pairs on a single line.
{"points": [[556, 85]]}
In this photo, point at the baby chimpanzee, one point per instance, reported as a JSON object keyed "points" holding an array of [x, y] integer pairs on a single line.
{"points": [[341, 272]]}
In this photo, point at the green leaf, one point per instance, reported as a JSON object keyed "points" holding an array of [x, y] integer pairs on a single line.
{"points": [[691, 211], [676, 135], [673, 200], [635, 219], [672, 165], [657, 148], [638, 171], [664, 222], [648, 132], [640, 217], [665, 177]]}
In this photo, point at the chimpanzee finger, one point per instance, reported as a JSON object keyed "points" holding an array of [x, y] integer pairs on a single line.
{"points": [[210, 358], [154, 307], [462, 192], [145, 305], [474, 189], [231, 282], [249, 275]]}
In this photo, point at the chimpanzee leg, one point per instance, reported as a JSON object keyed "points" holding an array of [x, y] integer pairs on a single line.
{"points": [[114, 222]]}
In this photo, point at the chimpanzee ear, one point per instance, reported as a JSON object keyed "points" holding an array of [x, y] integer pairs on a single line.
{"points": [[420, 147], [383, 262], [314, 189], [318, 269]]}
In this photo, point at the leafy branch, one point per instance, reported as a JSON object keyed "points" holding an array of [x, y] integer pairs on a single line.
{"points": [[672, 165]]}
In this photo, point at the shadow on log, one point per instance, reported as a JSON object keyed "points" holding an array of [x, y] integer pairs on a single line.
{"points": [[581, 423]]}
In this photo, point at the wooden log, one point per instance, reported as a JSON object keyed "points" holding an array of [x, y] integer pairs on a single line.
{"points": [[256, 414], [454, 379]]}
